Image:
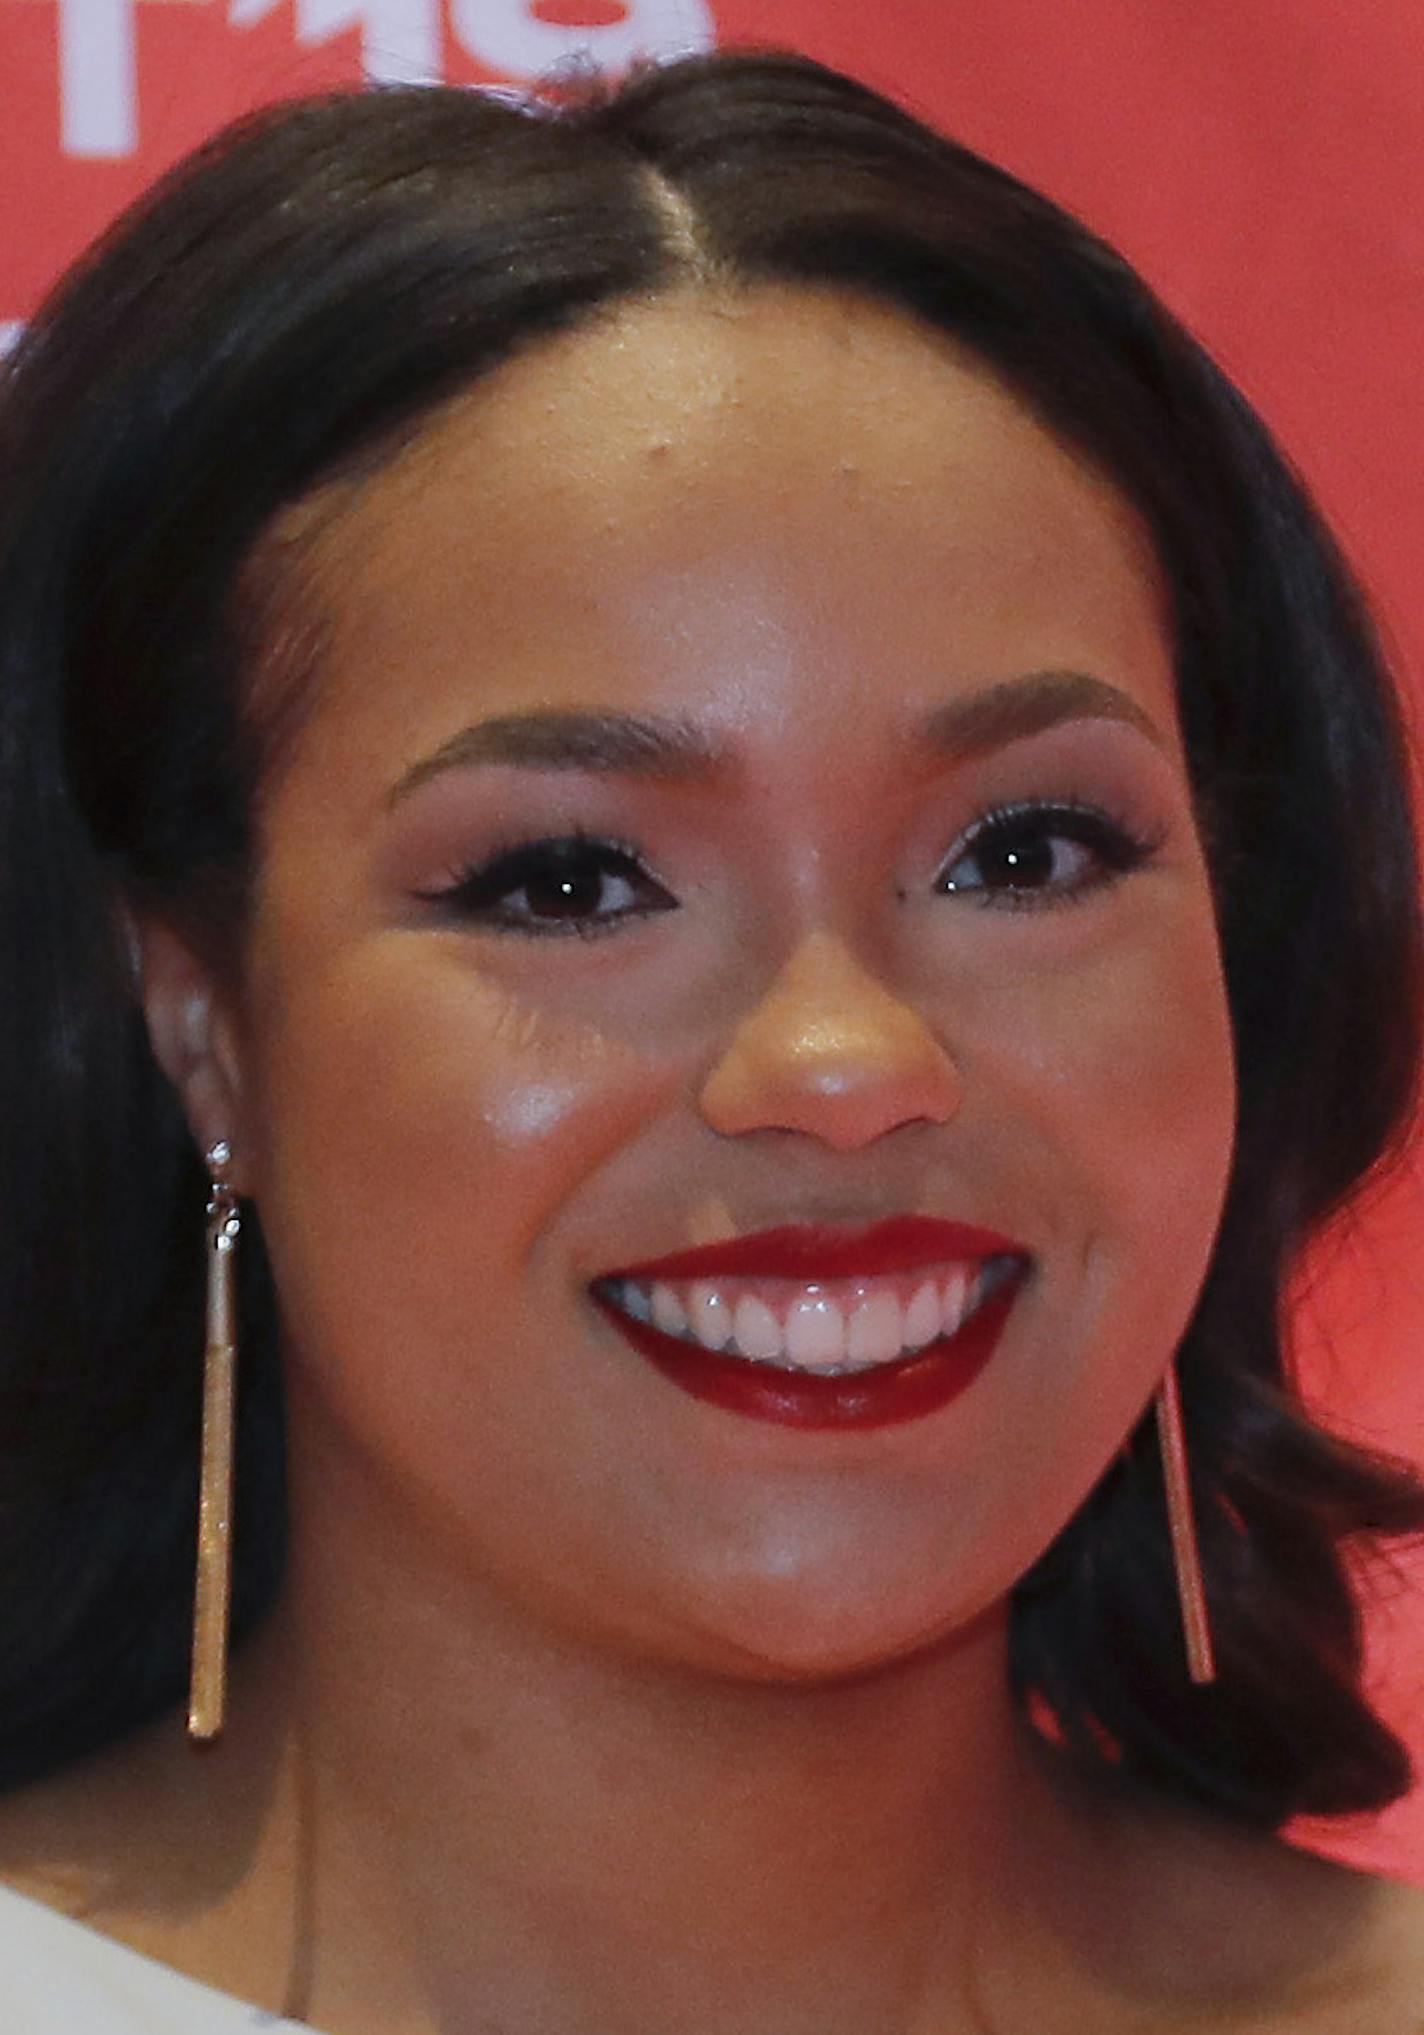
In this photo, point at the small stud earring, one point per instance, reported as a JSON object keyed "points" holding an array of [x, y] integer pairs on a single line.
{"points": [[1186, 1554], [208, 1688]]}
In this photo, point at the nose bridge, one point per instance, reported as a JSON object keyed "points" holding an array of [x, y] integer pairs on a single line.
{"points": [[830, 1049]]}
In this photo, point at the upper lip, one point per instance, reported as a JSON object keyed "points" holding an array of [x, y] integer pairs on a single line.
{"points": [[815, 1251]]}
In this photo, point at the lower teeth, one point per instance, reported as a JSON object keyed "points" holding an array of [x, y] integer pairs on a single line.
{"points": [[845, 1370]]}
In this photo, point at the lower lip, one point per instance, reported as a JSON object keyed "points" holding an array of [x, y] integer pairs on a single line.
{"points": [[906, 1390]]}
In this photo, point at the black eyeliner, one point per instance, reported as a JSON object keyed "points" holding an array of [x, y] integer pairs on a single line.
{"points": [[1119, 848]]}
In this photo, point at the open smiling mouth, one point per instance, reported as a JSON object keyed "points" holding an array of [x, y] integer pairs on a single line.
{"points": [[839, 1352]]}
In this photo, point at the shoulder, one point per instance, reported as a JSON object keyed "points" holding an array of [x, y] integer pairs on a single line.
{"points": [[1294, 1939], [1369, 1979], [1195, 1923], [1392, 1961], [147, 1871]]}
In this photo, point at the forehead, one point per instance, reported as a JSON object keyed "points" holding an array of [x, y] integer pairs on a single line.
{"points": [[744, 487]]}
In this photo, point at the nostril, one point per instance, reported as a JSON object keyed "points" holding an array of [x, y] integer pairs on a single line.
{"points": [[845, 1090], [830, 1048], [843, 1110]]}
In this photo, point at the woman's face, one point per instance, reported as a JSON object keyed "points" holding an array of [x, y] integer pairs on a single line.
{"points": [[837, 973]]}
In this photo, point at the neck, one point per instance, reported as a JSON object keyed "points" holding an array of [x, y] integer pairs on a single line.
{"points": [[489, 1820]]}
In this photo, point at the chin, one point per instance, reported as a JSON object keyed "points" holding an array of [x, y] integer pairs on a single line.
{"points": [[792, 1635]]}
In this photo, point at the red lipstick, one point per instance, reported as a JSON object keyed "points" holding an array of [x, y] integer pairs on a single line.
{"points": [[905, 1388], [812, 1252]]}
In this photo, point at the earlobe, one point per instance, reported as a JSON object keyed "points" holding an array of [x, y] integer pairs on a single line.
{"points": [[193, 1036]]}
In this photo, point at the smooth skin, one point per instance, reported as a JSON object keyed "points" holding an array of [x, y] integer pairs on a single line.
{"points": [[590, 1707]]}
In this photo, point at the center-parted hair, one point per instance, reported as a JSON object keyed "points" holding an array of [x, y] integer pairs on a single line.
{"points": [[292, 304]]}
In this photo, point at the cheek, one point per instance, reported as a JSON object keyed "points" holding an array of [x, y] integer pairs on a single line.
{"points": [[1163, 1088], [1116, 1055], [1153, 1091], [423, 1131], [1117, 1077]]}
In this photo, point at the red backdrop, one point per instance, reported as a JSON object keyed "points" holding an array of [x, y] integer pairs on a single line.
{"points": [[1261, 160]]}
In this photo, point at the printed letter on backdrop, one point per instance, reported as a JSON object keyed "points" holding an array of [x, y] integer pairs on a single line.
{"points": [[400, 39], [506, 35]]}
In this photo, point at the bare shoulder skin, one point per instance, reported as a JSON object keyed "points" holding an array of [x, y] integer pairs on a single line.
{"points": [[1193, 1924], [172, 1851]]}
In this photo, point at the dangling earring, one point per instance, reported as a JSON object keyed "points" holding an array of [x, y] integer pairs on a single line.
{"points": [[1186, 1555], [210, 1602]]}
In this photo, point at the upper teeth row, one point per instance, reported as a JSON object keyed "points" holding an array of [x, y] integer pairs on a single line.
{"points": [[831, 1326]]}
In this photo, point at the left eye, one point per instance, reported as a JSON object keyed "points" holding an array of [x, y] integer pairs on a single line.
{"points": [[573, 884], [1041, 855]]}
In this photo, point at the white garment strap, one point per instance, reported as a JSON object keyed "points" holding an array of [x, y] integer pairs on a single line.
{"points": [[58, 1977]]}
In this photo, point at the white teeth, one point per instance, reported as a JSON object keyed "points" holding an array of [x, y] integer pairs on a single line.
{"points": [[854, 1330], [876, 1330], [957, 1291], [636, 1301], [668, 1312], [757, 1329], [815, 1332], [923, 1315], [709, 1317]]}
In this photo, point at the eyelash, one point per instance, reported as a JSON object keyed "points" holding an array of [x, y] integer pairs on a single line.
{"points": [[1118, 848], [475, 893]]}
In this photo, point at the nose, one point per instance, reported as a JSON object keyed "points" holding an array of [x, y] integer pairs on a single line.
{"points": [[829, 1050]]}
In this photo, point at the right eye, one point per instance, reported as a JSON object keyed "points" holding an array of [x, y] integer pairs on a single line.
{"points": [[573, 883]]}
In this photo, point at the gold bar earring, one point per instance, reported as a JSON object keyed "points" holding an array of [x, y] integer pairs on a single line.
{"points": [[1186, 1554], [208, 1688]]}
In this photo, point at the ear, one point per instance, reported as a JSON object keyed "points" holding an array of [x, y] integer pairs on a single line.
{"points": [[196, 1040]]}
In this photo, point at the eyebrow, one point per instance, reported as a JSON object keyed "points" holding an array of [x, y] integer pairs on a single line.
{"points": [[671, 750]]}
